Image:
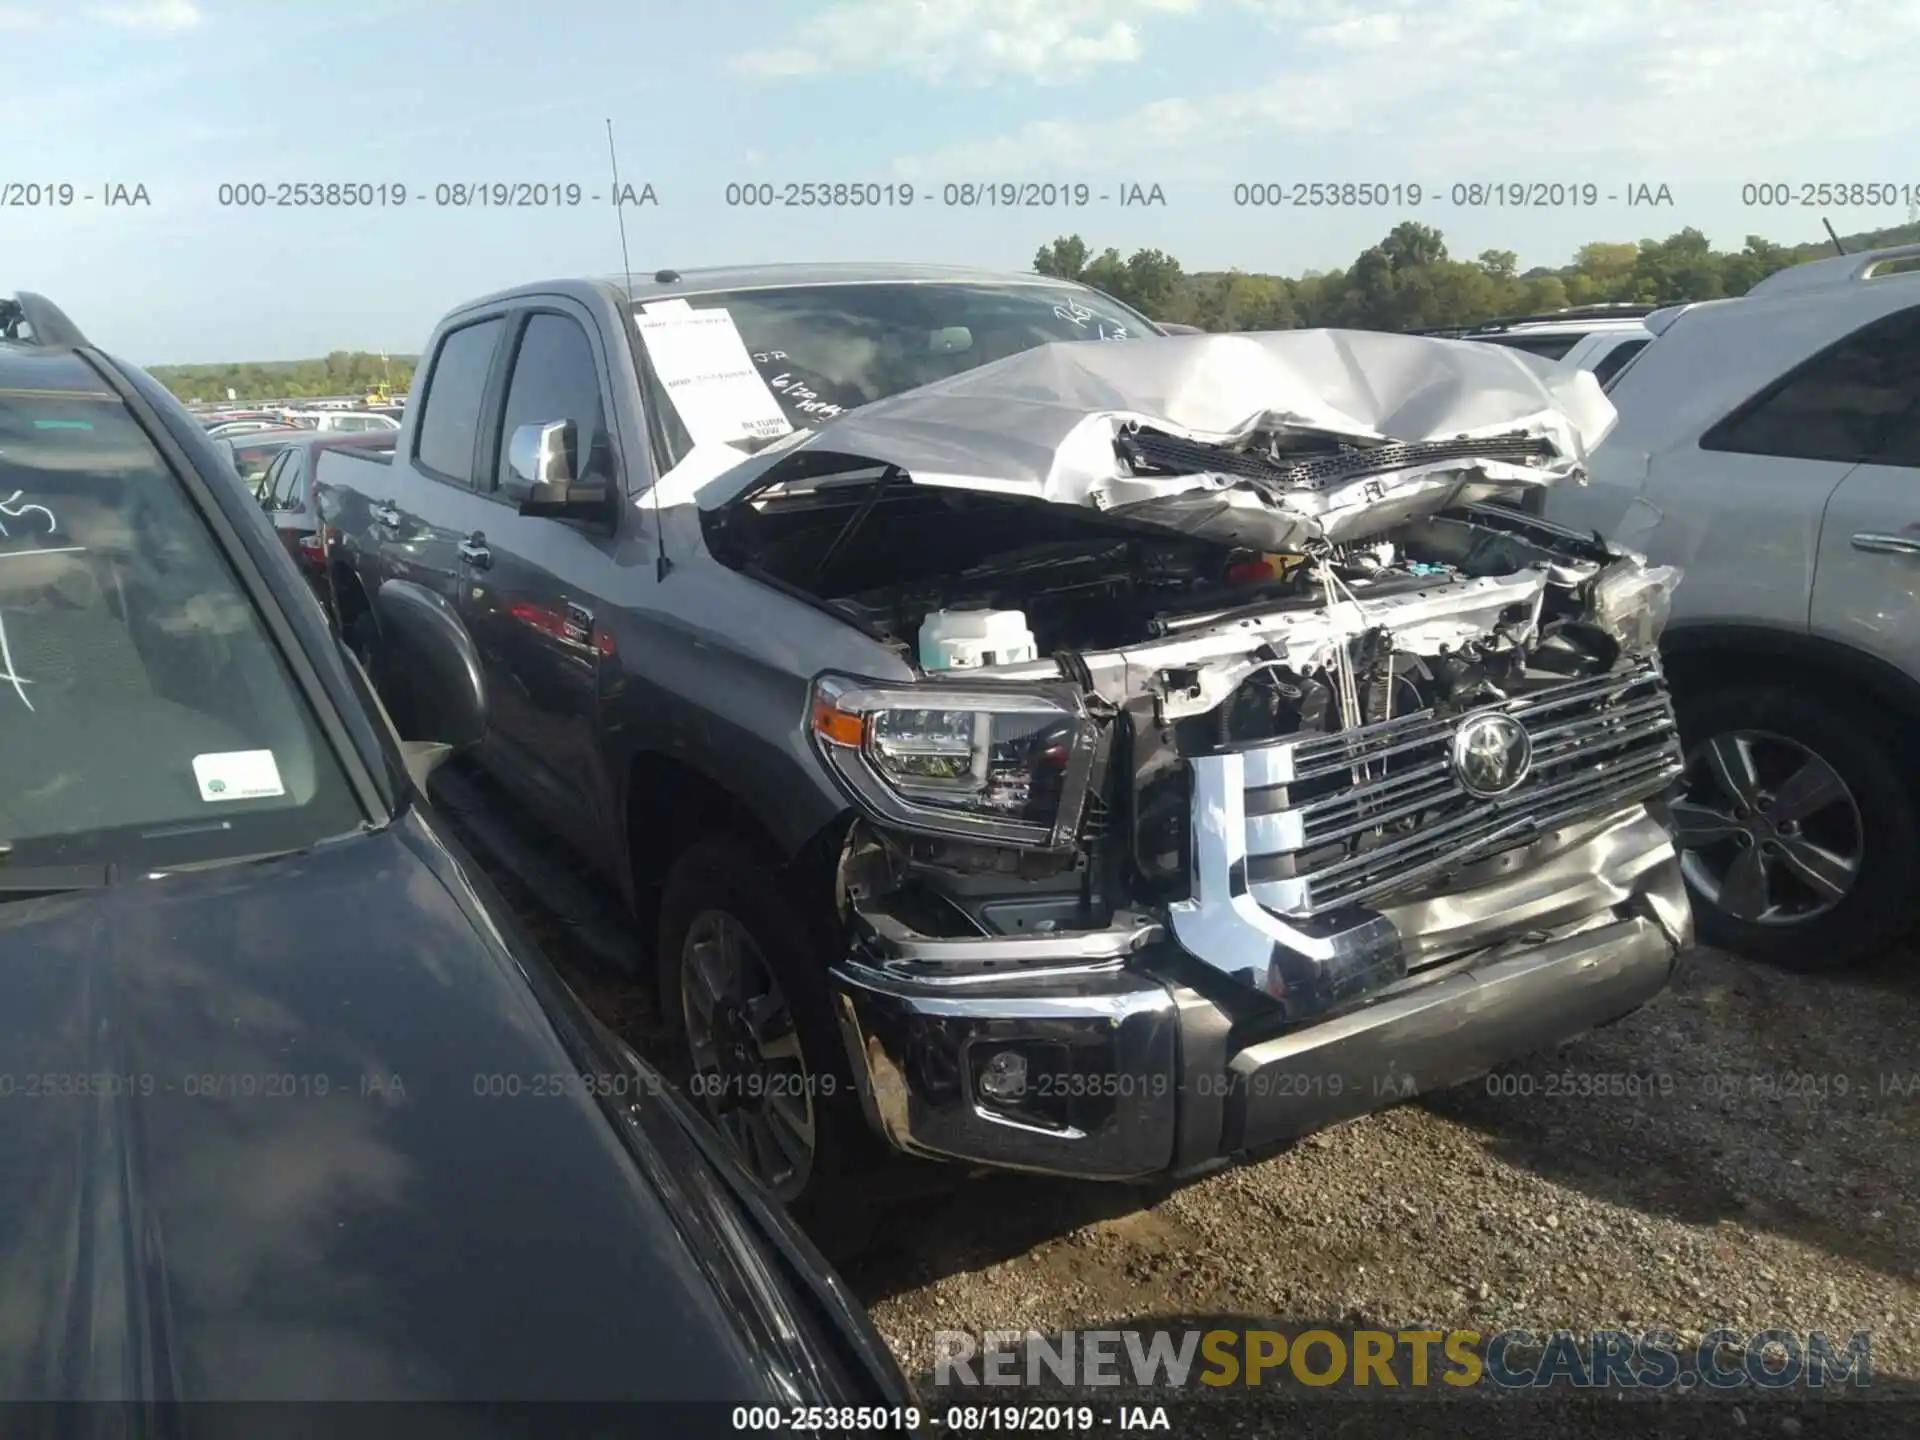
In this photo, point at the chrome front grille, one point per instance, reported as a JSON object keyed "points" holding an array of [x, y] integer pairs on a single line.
{"points": [[1347, 819]]}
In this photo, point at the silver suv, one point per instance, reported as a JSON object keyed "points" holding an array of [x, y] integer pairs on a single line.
{"points": [[1770, 445]]}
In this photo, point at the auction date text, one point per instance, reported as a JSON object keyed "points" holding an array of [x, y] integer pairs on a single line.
{"points": [[1461, 194], [65, 194], [966, 194], [443, 195]]}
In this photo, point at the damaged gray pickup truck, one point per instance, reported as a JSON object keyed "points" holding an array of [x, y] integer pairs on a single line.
{"points": [[1106, 760]]}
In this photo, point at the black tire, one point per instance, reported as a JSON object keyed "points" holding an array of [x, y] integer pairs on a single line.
{"points": [[1883, 899], [726, 877]]}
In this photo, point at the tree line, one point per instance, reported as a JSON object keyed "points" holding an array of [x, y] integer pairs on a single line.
{"points": [[1408, 281], [344, 372]]}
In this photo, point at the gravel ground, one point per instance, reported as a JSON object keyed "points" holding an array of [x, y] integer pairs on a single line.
{"points": [[1766, 1174], [1741, 1189]]}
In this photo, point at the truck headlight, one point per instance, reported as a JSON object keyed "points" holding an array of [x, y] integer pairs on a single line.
{"points": [[1004, 766]]}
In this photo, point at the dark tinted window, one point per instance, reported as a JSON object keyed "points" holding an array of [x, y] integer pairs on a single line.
{"points": [[555, 377], [1553, 347], [288, 490], [450, 406], [1903, 440], [1611, 362], [1842, 405], [252, 460], [271, 478]]}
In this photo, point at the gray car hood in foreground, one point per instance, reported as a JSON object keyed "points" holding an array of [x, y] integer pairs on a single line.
{"points": [[1044, 424]]}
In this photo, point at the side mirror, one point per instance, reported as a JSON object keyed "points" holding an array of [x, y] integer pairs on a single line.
{"points": [[543, 469], [431, 655]]}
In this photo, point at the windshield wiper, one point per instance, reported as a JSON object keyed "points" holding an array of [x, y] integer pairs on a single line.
{"points": [[20, 881]]}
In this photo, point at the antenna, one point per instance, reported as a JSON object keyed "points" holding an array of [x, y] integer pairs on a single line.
{"points": [[661, 563], [1838, 247]]}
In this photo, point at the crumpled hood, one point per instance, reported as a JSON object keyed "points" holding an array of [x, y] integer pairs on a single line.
{"points": [[1422, 424]]}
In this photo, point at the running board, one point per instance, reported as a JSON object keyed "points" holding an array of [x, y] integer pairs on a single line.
{"points": [[536, 865]]}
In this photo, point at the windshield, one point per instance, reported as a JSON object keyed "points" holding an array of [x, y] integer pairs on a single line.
{"points": [[146, 718], [825, 349], [252, 457]]}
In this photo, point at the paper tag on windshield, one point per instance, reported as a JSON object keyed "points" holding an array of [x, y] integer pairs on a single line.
{"points": [[238, 775], [666, 307], [705, 367]]}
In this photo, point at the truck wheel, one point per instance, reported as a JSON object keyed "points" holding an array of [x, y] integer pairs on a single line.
{"points": [[1795, 826], [748, 1005]]}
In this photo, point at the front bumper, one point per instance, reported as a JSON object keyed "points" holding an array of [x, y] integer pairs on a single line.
{"points": [[1137, 1062]]}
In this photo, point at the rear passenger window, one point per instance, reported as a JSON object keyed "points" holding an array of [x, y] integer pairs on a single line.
{"points": [[450, 408], [1844, 405], [286, 485]]}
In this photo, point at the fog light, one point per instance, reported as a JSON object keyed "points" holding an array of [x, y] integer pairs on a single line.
{"points": [[1005, 1078]]}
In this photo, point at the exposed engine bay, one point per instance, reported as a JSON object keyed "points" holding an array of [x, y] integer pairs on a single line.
{"points": [[1443, 612], [1120, 615]]}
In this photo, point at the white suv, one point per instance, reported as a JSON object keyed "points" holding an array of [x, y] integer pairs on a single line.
{"points": [[343, 422], [1770, 445], [1607, 350], [1600, 338]]}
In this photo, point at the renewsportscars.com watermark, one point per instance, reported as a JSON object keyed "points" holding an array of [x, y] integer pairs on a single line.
{"points": [[1655, 1359]]}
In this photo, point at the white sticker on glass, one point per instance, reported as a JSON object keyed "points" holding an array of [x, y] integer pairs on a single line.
{"points": [[706, 369], [238, 775]]}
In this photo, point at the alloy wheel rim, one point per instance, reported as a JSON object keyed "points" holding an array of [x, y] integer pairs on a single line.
{"points": [[1767, 830], [749, 1072]]}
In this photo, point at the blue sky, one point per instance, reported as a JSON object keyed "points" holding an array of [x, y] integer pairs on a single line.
{"points": [[1193, 95]]}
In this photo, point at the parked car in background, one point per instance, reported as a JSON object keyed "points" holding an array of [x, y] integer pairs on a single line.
{"points": [[1596, 331], [218, 418], [232, 429], [989, 777], [1606, 352], [286, 494], [342, 422], [1771, 445], [254, 451], [311, 1119]]}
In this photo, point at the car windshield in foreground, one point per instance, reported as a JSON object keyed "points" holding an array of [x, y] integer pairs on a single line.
{"points": [[146, 717], [825, 349]]}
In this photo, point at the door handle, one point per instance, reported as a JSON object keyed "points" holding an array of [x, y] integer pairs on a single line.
{"points": [[1887, 544], [387, 516], [474, 551]]}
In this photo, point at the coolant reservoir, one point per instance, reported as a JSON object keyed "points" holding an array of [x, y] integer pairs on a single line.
{"points": [[968, 639]]}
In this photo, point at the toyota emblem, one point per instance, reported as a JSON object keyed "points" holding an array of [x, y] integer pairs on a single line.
{"points": [[1492, 753]]}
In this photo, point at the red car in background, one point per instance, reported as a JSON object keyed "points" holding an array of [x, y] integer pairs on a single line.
{"points": [[286, 494]]}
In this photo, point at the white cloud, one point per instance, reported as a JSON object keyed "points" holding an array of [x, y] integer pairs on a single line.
{"points": [[1035, 41], [1516, 89], [12, 17], [151, 15]]}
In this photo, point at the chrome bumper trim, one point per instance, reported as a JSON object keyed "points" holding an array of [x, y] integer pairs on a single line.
{"points": [[917, 1050], [1604, 913], [1514, 1001]]}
